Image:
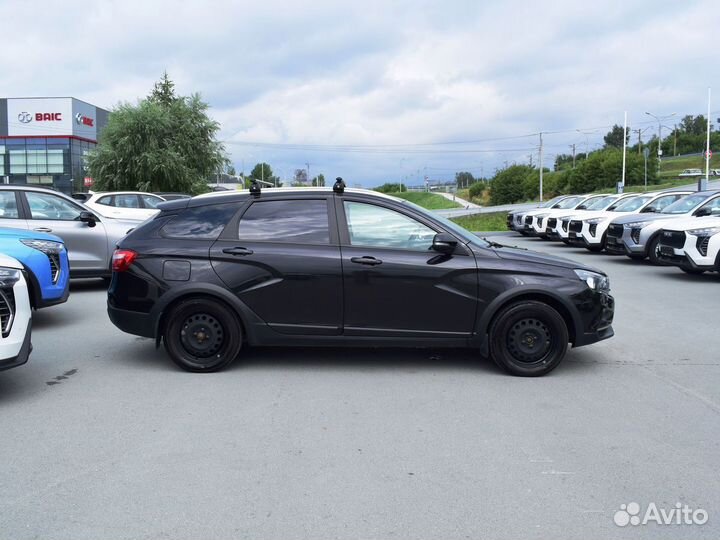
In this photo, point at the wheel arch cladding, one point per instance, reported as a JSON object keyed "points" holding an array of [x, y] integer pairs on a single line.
{"points": [[198, 295], [555, 302]]}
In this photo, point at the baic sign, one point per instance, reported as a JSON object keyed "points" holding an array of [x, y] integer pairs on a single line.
{"points": [[57, 117], [84, 120]]}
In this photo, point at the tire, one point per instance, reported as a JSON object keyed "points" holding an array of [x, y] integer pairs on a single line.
{"points": [[516, 331], [692, 271], [599, 247], [652, 250], [202, 335]]}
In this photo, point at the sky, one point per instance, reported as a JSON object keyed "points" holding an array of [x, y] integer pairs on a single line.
{"points": [[380, 91]]}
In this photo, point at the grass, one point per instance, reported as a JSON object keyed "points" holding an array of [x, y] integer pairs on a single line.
{"points": [[673, 166], [431, 201], [494, 221]]}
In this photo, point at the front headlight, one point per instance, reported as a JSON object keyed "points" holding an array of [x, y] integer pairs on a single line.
{"points": [[706, 231], [597, 282], [9, 276], [46, 246], [595, 221], [637, 224]]}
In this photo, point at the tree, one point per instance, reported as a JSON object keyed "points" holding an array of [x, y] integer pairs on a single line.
{"points": [[262, 171], [614, 137], [319, 180], [464, 179], [160, 144], [230, 169], [163, 92], [507, 185], [390, 188]]}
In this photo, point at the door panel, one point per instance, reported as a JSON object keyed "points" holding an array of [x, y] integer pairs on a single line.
{"points": [[407, 288], [87, 246], [284, 265]]}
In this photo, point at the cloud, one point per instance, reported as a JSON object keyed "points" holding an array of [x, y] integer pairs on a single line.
{"points": [[376, 73]]}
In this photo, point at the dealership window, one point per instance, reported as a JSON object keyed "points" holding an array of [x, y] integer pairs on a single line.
{"points": [[2, 160], [18, 161], [55, 161]]}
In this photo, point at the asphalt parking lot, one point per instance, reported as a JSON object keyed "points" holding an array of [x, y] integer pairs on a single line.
{"points": [[102, 437]]}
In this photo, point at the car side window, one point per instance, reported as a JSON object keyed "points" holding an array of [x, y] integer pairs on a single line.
{"points": [[151, 201], [8, 205], [48, 206], [376, 226], [296, 221], [713, 205], [200, 223], [106, 200], [127, 201]]}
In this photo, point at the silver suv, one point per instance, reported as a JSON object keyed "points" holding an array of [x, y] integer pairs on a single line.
{"points": [[90, 239], [637, 236]]}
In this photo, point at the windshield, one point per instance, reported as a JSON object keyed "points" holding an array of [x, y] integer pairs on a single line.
{"points": [[570, 202], [684, 205], [551, 203], [601, 203], [633, 204]]}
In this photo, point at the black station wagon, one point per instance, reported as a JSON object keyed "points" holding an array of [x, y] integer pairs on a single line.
{"points": [[343, 267]]}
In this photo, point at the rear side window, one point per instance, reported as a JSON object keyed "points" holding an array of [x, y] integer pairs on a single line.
{"points": [[298, 221], [202, 222], [107, 200], [8, 206]]}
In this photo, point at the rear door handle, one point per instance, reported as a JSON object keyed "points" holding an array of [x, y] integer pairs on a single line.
{"points": [[238, 251], [43, 229], [370, 261]]}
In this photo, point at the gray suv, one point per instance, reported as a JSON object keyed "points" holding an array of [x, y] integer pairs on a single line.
{"points": [[638, 236], [90, 239]]}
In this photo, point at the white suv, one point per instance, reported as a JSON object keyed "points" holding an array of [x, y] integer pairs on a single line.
{"points": [[691, 244], [15, 314]]}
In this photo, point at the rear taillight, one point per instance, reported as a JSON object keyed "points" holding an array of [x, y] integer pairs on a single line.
{"points": [[122, 259]]}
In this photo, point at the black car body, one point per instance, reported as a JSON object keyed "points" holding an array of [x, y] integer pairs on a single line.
{"points": [[320, 267]]}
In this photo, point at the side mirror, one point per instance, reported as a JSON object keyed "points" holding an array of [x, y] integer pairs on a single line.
{"points": [[703, 212], [649, 210], [444, 243], [89, 218]]}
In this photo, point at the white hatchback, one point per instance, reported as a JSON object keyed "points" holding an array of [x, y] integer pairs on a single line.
{"points": [[128, 205], [15, 314]]}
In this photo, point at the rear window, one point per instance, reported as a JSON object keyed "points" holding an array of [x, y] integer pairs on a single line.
{"points": [[201, 222], [297, 221]]}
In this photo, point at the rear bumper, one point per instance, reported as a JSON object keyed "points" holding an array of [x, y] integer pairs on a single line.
{"points": [[132, 322], [23, 354]]}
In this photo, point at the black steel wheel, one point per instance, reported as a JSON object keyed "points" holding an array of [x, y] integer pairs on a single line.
{"points": [[528, 338], [202, 335]]}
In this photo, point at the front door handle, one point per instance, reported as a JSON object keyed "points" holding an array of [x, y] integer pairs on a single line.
{"points": [[238, 251], [43, 229], [370, 261]]}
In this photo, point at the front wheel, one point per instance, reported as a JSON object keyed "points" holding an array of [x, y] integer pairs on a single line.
{"points": [[653, 247], [202, 335], [528, 339]]}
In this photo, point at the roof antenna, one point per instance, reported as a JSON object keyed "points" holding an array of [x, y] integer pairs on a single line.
{"points": [[339, 185]]}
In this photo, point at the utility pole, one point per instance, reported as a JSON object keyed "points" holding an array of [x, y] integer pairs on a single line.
{"points": [[639, 132], [675, 140], [530, 156], [541, 167], [573, 149], [308, 171], [660, 121]]}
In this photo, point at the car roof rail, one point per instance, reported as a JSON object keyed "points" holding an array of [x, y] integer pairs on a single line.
{"points": [[256, 186], [339, 185]]}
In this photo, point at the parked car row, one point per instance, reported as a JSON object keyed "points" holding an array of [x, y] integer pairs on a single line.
{"points": [[679, 228], [46, 238]]}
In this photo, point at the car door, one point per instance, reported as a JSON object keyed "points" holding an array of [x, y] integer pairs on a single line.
{"points": [[10, 210], [395, 284], [86, 246], [282, 260]]}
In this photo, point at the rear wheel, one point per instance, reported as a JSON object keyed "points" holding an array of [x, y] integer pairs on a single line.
{"points": [[528, 339], [202, 335]]}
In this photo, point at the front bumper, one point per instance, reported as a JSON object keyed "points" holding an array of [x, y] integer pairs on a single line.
{"points": [[23, 354], [689, 256], [597, 313]]}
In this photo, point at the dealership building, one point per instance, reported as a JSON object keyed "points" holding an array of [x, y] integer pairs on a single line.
{"points": [[44, 141]]}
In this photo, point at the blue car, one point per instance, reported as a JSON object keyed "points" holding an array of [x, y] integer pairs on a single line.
{"points": [[45, 261]]}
